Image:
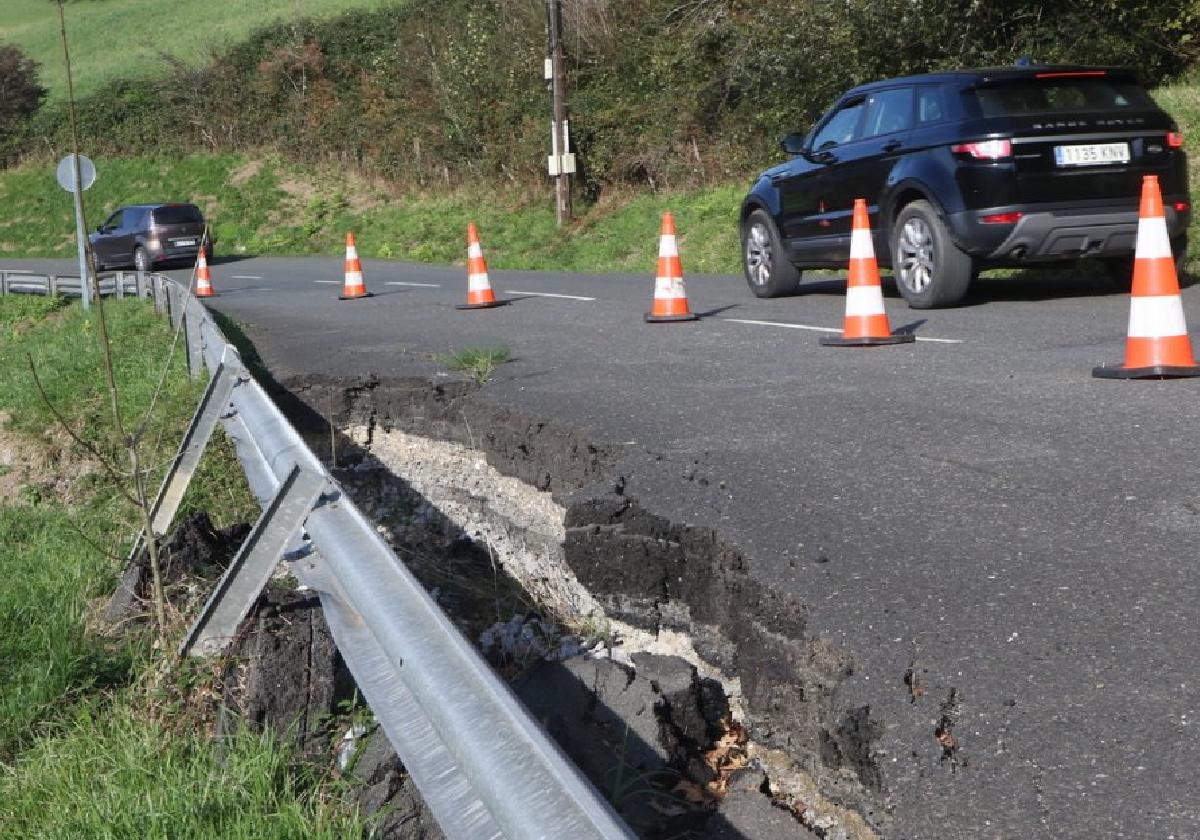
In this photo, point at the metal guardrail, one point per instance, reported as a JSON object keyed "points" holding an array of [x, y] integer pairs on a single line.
{"points": [[118, 284], [484, 766]]}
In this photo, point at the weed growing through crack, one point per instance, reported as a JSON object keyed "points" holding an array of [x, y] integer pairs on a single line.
{"points": [[479, 363]]}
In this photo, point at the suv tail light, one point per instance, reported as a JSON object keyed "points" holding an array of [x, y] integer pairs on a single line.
{"points": [[985, 149], [1174, 139]]}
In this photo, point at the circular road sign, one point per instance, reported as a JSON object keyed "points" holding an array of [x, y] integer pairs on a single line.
{"points": [[66, 172]]}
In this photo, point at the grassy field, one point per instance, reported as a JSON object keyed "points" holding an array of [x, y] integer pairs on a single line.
{"points": [[266, 206], [113, 39], [97, 738]]}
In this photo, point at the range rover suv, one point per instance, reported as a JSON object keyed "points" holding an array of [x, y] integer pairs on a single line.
{"points": [[966, 170], [146, 235]]}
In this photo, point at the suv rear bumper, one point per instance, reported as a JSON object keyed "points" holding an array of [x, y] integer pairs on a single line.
{"points": [[1063, 233]]}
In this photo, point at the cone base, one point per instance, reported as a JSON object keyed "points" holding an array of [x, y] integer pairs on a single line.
{"points": [[490, 305], [661, 319], [356, 297], [210, 294], [867, 341], [1154, 372]]}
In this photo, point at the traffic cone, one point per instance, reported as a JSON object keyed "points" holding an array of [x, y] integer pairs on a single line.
{"points": [[1157, 344], [670, 299], [204, 288], [479, 288], [353, 288], [865, 323]]}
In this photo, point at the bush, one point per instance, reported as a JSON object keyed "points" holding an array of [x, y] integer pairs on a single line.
{"points": [[20, 93]]}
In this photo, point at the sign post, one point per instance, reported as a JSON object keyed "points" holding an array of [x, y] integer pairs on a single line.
{"points": [[75, 176]]}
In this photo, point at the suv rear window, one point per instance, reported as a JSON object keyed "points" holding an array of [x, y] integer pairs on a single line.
{"points": [[1032, 96], [178, 214]]}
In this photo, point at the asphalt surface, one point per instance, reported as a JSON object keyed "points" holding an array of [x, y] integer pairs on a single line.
{"points": [[985, 513]]}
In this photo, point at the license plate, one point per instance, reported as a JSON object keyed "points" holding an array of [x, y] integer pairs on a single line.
{"points": [[181, 243], [1093, 154]]}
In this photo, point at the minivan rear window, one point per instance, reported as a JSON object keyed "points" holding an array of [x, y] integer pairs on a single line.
{"points": [[177, 214], [1039, 96]]}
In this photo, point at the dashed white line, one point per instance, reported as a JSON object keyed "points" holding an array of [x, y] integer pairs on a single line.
{"points": [[825, 329], [548, 295], [421, 285], [244, 277], [330, 282]]}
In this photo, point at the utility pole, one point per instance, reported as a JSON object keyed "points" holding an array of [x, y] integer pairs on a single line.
{"points": [[562, 162]]}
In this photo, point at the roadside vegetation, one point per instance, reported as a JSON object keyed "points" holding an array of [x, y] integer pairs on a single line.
{"points": [[98, 738], [402, 120]]}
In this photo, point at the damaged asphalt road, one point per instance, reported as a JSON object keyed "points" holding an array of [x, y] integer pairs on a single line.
{"points": [[1000, 546]]}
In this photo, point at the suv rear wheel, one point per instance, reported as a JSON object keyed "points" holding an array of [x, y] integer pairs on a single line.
{"points": [[929, 268], [769, 272], [141, 260]]}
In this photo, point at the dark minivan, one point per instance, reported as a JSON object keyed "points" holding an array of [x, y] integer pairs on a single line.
{"points": [[148, 235], [967, 170]]}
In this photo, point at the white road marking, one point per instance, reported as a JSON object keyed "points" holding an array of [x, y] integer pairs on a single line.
{"points": [[244, 277], [18, 271], [421, 285], [330, 282], [826, 329], [548, 295]]}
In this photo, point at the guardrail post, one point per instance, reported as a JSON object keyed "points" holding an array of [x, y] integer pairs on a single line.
{"points": [[160, 294], [175, 483], [141, 283], [175, 304], [250, 570], [119, 284], [52, 284], [3, 282], [195, 351]]}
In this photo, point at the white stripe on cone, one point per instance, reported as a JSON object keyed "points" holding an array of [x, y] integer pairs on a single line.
{"points": [[351, 252], [668, 288], [1152, 239], [478, 283], [864, 300], [1156, 316], [667, 246], [474, 250], [861, 245]]}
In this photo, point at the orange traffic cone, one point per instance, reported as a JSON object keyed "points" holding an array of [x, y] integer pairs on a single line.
{"points": [[479, 288], [670, 299], [353, 288], [204, 286], [1157, 344], [865, 323]]}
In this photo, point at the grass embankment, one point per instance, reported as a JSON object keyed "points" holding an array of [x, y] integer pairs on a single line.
{"points": [[267, 206], [97, 738], [123, 39]]}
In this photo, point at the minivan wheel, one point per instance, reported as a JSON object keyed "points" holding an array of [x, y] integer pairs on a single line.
{"points": [[929, 268], [141, 260], [769, 272]]}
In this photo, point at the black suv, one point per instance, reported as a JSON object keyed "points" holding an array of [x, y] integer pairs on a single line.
{"points": [[146, 235], [967, 170]]}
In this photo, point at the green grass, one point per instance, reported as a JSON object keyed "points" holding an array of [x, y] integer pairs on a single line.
{"points": [[111, 39], [113, 774], [267, 206], [479, 363], [93, 742]]}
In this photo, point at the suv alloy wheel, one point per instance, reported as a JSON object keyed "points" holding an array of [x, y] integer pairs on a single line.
{"points": [[929, 268], [769, 272]]}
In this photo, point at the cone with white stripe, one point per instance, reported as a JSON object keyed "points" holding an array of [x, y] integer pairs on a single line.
{"points": [[479, 287], [204, 287], [353, 287], [865, 323], [1156, 344], [670, 298]]}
